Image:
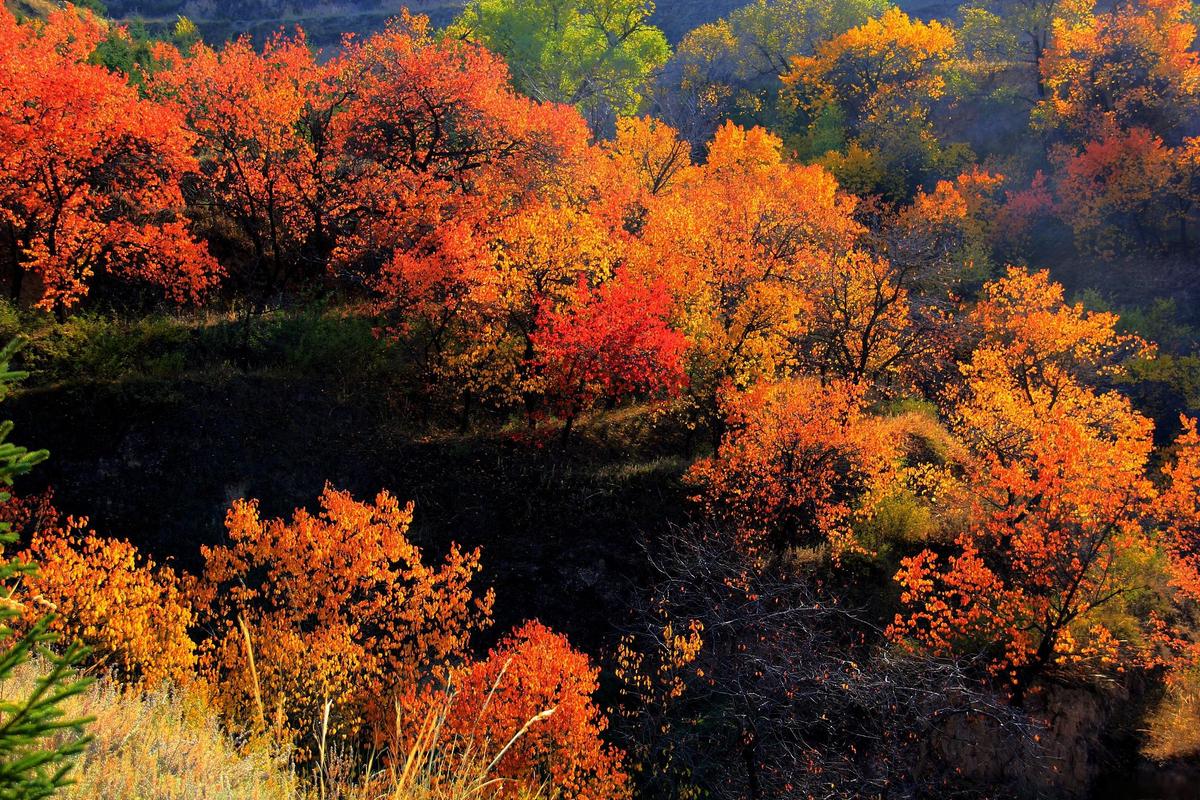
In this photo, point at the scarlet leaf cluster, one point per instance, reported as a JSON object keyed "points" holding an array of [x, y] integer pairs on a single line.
{"points": [[612, 343]]}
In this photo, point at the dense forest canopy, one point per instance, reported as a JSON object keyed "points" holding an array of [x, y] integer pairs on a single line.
{"points": [[603, 399]]}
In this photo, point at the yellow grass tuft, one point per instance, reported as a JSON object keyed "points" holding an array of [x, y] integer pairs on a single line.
{"points": [[165, 745]]}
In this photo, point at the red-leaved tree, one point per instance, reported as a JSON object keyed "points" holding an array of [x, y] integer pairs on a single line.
{"points": [[613, 342]]}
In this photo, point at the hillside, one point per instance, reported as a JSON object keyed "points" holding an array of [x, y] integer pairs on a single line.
{"points": [[809, 410], [325, 21]]}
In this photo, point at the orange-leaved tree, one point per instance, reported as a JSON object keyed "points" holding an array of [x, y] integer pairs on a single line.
{"points": [[437, 151], [801, 462], [1056, 474], [1131, 65], [89, 171], [531, 703], [736, 242], [1122, 91], [267, 191], [335, 606], [1178, 509]]}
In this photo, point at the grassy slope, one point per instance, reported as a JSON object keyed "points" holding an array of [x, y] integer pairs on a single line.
{"points": [[30, 8]]}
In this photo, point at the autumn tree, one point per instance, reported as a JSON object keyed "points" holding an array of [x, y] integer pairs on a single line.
{"points": [[730, 68], [266, 190], [1034, 354], [132, 614], [1121, 92], [1178, 509], [445, 165], [536, 686], [888, 314], [736, 242], [1017, 31], [335, 606], [1054, 542], [881, 79], [1127, 189], [800, 464], [89, 171], [1131, 66], [595, 55], [646, 158], [611, 343]]}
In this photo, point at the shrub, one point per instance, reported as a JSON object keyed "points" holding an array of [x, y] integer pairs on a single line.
{"points": [[335, 607], [130, 612], [531, 699], [798, 465]]}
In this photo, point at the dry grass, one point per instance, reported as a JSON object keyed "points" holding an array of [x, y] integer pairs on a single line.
{"points": [[1174, 727], [169, 745], [433, 768], [166, 745]]}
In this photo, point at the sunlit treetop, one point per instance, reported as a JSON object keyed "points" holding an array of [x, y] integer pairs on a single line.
{"points": [[891, 65], [737, 242], [1133, 65], [90, 171]]}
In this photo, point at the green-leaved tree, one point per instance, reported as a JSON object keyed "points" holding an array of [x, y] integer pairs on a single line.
{"points": [[594, 54]]}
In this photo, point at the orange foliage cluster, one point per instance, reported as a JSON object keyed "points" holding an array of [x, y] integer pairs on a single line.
{"points": [[1056, 474], [800, 462], [1179, 509], [889, 67], [331, 616], [133, 614], [336, 606], [1121, 89], [89, 171], [534, 674], [1128, 66], [736, 241], [260, 124]]}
